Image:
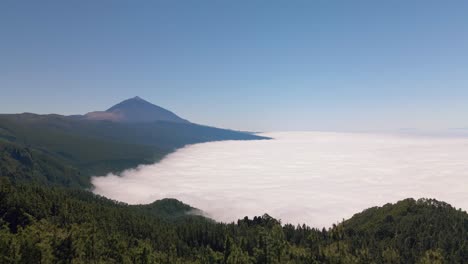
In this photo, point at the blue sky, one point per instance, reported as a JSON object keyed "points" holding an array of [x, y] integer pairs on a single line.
{"points": [[256, 65]]}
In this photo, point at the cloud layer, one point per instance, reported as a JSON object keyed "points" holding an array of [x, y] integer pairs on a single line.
{"points": [[317, 178]]}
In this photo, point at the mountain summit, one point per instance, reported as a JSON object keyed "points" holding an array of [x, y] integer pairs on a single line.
{"points": [[135, 110]]}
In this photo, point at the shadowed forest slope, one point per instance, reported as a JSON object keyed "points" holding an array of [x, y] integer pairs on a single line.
{"points": [[53, 224]]}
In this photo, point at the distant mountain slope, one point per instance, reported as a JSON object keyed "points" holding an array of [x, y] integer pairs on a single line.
{"points": [[74, 143], [96, 147], [135, 110], [22, 164]]}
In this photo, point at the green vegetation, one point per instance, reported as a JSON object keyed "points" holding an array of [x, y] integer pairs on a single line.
{"points": [[42, 224], [22, 164], [99, 147], [47, 217]]}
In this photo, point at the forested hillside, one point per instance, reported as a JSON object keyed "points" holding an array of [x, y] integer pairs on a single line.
{"points": [[23, 164], [55, 225], [89, 147]]}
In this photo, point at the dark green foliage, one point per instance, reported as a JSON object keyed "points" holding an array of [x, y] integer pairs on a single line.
{"points": [[57, 225], [169, 208], [22, 164], [99, 147], [412, 226]]}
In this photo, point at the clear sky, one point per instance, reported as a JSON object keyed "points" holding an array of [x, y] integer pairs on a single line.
{"points": [[256, 65]]}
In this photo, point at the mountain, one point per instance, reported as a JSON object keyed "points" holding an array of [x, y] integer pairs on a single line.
{"points": [[135, 110], [47, 216], [81, 147]]}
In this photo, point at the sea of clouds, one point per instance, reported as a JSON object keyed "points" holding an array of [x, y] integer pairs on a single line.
{"points": [[317, 178]]}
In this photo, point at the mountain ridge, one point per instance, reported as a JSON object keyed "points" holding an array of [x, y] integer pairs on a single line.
{"points": [[135, 110], [87, 147]]}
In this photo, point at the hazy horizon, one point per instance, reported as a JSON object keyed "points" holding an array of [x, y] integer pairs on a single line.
{"points": [[247, 65], [442, 132]]}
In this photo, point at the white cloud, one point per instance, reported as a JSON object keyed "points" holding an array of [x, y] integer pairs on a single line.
{"points": [[316, 178]]}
